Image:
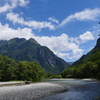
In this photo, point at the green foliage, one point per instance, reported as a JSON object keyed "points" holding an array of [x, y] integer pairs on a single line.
{"points": [[67, 72], [56, 76], [22, 70], [51, 75], [87, 70]]}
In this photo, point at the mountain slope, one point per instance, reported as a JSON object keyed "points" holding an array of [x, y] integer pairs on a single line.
{"points": [[88, 66], [84, 58], [21, 49], [2, 41]]}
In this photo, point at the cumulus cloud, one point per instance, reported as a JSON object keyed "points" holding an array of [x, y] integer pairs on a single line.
{"points": [[11, 4], [76, 53], [15, 18], [86, 36], [63, 45], [86, 14], [5, 8], [7, 33]]}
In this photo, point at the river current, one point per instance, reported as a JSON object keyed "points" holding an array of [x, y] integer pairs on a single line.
{"points": [[87, 89]]}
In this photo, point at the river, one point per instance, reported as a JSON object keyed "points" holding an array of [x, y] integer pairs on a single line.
{"points": [[78, 89]]}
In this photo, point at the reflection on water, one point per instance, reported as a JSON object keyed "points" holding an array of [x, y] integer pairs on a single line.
{"points": [[78, 90]]}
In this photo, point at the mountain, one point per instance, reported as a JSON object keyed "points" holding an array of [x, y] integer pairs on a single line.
{"points": [[2, 41], [84, 58], [88, 66], [20, 49]]}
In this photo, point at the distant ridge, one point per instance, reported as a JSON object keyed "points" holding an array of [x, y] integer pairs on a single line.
{"points": [[70, 63]]}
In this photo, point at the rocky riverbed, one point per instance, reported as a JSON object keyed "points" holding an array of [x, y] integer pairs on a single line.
{"points": [[31, 91]]}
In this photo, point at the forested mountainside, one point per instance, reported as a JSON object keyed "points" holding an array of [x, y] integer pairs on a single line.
{"points": [[88, 66], [20, 49]]}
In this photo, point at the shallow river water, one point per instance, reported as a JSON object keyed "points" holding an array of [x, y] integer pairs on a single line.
{"points": [[77, 90]]}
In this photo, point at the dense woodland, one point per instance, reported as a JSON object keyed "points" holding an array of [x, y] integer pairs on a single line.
{"points": [[89, 69], [22, 70]]}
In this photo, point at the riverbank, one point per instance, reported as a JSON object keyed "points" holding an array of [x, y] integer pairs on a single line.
{"points": [[31, 91]]}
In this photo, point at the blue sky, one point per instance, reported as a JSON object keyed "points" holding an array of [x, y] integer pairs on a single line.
{"points": [[67, 27]]}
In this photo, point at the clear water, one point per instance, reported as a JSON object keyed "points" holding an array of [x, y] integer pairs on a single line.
{"points": [[77, 90]]}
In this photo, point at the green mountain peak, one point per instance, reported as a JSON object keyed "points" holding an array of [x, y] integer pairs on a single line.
{"points": [[20, 49], [33, 41]]}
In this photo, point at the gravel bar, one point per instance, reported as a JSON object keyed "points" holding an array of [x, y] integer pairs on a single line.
{"points": [[31, 92]]}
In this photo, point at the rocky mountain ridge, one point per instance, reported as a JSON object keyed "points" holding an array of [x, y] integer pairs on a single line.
{"points": [[21, 49]]}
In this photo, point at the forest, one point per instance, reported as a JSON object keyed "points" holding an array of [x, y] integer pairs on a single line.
{"points": [[21, 70], [89, 69]]}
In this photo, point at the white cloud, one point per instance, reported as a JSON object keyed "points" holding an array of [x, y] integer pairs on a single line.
{"points": [[86, 14], [53, 20], [63, 46], [7, 33], [86, 36], [5, 8], [15, 18], [76, 53], [96, 31], [11, 4]]}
